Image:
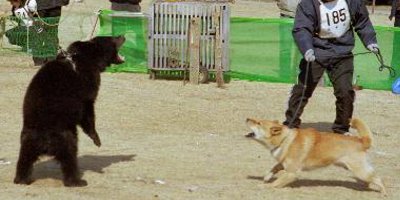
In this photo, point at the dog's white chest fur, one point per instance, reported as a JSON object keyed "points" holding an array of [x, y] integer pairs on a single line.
{"points": [[280, 151], [277, 152]]}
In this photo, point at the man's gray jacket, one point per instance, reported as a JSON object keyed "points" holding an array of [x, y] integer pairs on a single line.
{"points": [[306, 29]]}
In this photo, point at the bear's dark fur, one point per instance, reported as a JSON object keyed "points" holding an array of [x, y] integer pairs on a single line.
{"points": [[61, 96]]}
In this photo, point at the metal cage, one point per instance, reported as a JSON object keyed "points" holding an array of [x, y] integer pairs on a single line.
{"points": [[168, 47]]}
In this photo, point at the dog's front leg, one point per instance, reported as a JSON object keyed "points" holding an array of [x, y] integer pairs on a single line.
{"points": [[283, 180], [269, 174], [88, 122]]}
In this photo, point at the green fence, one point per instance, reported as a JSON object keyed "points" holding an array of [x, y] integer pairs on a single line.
{"points": [[135, 47], [260, 49], [39, 40], [263, 50]]}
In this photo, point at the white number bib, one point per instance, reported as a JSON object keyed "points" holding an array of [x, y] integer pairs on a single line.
{"points": [[335, 19]]}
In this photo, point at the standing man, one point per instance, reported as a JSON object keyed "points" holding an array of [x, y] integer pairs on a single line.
{"points": [[323, 32], [23, 12], [40, 18]]}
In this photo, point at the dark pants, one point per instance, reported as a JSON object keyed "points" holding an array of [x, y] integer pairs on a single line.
{"points": [[397, 19], [340, 73]]}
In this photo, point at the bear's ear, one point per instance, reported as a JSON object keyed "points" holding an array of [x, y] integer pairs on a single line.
{"points": [[75, 47], [83, 51]]}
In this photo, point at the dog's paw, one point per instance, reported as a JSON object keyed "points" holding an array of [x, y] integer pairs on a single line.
{"points": [[75, 183], [268, 177], [25, 181]]}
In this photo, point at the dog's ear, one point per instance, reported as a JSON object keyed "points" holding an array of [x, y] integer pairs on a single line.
{"points": [[276, 130], [252, 121]]}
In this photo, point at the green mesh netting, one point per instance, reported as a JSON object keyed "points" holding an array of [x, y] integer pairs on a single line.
{"points": [[134, 29], [39, 40], [263, 50], [367, 66], [260, 49]]}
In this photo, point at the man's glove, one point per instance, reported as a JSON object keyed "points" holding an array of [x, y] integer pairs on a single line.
{"points": [[309, 55], [374, 48]]}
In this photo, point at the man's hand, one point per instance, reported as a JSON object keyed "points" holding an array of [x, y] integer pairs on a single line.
{"points": [[374, 48], [390, 17], [309, 55]]}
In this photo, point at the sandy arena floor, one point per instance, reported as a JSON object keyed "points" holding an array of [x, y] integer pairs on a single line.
{"points": [[163, 140]]}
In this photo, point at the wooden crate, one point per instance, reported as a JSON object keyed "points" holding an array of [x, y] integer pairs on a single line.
{"points": [[169, 35]]}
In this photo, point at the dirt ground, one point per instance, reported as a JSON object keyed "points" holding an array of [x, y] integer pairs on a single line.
{"points": [[164, 140]]}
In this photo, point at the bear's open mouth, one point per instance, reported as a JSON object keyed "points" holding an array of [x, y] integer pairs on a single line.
{"points": [[119, 41], [120, 58]]}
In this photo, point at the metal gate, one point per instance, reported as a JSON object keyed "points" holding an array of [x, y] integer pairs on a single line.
{"points": [[168, 46]]}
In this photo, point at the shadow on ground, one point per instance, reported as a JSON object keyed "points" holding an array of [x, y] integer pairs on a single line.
{"points": [[320, 126], [354, 185], [95, 163]]}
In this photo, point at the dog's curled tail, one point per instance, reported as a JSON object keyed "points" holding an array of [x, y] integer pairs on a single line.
{"points": [[363, 131]]}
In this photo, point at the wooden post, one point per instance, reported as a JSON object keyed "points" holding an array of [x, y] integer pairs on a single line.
{"points": [[373, 6], [219, 76], [194, 46], [2, 28]]}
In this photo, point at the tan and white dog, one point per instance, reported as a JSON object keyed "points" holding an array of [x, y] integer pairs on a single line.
{"points": [[306, 149]]}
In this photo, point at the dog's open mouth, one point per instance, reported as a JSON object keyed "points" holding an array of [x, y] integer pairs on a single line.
{"points": [[250, 135]]}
